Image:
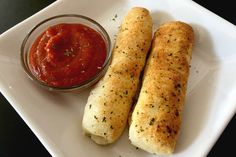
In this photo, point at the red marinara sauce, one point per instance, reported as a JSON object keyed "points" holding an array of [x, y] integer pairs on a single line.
{"points": [[66, 55]]}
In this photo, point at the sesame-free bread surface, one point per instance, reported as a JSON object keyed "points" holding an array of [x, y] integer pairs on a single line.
{"points": [[109, 103], [156, 119]]}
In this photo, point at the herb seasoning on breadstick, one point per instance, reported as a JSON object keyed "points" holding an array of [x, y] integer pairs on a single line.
{"points": [[156, 119], [109, 103]]}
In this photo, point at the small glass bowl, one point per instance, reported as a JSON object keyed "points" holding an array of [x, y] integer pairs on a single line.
{"points": [[66, 18]]}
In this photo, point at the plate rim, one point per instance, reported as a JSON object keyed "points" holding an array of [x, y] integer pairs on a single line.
{"points": [[53, 150]]}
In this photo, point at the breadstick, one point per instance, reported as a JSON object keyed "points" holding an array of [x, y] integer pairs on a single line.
{"points": [[156, 119], [109, 103]]}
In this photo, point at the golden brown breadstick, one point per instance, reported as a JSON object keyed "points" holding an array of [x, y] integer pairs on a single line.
{"points": [[109, 103], [156, 119]]}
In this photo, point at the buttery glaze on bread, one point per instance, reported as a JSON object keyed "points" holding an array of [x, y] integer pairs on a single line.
{"points": [[109, 103], [156, 119]]}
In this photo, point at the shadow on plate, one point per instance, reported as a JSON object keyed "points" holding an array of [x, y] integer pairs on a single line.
{"points": [[159, 17]]}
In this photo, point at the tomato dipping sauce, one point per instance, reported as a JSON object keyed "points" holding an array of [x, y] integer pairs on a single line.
{"points": [[67, 55]]}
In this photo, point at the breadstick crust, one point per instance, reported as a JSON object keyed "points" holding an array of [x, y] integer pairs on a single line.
{"points": [[109, 103], [156, 119]]}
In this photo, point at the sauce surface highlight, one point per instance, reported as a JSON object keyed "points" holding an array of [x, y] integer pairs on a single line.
{"points": [[66, 55]]}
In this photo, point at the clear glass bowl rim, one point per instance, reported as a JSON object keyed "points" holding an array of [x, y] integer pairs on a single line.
{"points": [[24, 58]]}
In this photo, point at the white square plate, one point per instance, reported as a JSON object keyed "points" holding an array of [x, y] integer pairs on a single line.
{"points": [[56, 118]]}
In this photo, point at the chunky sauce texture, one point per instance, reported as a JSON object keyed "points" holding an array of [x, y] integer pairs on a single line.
{"points": [[66, 55]]}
